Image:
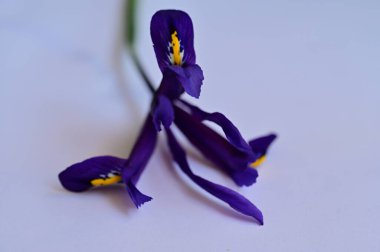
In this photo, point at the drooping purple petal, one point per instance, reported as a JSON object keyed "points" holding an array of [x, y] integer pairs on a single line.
{"points": [[162, 112], [232, 198], [138, 159], [189, 77], [103, 170], [230, 130], [163, 25], [216, 148]]}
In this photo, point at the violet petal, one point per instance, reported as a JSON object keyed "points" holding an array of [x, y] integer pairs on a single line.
{"points": [[260, 145], [230, 130], [163, 24], [138, 159], [138, 198], [93, 171], [232, 198], [217, 149], [162, 112], [190, 77]]}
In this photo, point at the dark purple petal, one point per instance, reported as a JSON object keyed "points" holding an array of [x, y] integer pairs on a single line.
{"points": [[216, 148], [190, 78], [232, 198], [230, 130], [138, 159], [162, 112], [163, 25], [260, 145], [137, 197], [170, 86], [101, 170], [245, 178]]}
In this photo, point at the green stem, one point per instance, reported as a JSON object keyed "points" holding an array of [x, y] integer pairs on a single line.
{"points": [[141, 71], [130, 38]]}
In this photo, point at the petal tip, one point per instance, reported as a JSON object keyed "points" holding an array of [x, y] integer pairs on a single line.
{"points": [[141, 201], [260, 145], [137, 197], [273, 136], [259, 218]]}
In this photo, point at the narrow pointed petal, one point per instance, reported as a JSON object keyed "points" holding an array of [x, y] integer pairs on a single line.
{"points": [[190, 77], [167, 25], [162, 113], [232, 198], [96, 171], [230, 130], [138, 159], [260, 145], [216, 148]]}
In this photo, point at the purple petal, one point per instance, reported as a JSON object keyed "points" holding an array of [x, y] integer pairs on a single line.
{"points": [[245, 178], [230, 130], [216, 148], [137, 197], [260, 145], [189, 77], [162, 112], [94, 171], [163, 24], [170, 87], [138, 159], [232, 198]]}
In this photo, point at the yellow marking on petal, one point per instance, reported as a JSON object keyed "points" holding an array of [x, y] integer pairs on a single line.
{"points": [[258, 162], [176, 49], [107, 181]]}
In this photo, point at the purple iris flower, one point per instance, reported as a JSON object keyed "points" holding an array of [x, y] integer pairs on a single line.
{"points": [[172, 35]]}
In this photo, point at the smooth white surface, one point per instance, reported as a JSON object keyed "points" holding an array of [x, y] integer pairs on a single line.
{"points": [[308, 70]]}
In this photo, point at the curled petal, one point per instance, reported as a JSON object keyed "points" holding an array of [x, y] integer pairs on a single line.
{"points": [[96, 171], [173, 38], [162, 112], [230, 130], [189, 77], [216, 148], [138, 159], [232, 198]]}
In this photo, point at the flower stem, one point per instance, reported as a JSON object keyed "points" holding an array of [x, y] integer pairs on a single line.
{"points": [[141, 71], [130, 38]]}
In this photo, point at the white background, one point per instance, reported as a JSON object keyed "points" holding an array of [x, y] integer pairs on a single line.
{"points": [[308, 70]]}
